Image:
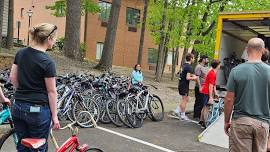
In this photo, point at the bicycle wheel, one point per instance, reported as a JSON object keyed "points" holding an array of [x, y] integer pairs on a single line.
{"points": [[209, 117], [156, 108], [93, 150], [133, 117], [120, 106], [70, 115], [104, 118], [111, 110], [6, 138], [84, 120]]}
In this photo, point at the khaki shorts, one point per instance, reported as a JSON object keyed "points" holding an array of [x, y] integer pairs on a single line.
{"points": [[248, 135]]}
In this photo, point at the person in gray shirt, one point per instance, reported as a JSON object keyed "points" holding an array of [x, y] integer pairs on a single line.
{"points": [[247, 103], [200, 70]]}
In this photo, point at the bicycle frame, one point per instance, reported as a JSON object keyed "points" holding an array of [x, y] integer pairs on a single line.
{"points": [[69, 96], [71, 144], [137, 97], [215, 111], [145, 106], [5, 115]]}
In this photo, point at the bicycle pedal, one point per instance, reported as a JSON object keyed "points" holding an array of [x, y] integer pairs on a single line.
{"points": [[84, 147]]}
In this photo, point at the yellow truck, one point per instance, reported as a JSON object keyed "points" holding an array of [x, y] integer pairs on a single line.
{"points": [[233, 32]]}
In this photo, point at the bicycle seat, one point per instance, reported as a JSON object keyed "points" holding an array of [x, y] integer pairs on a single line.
{"points": [[221, 88], [33, 143]]}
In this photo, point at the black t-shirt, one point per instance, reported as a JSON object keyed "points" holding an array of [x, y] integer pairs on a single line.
{"points": [[186, 68], [33, 67]]}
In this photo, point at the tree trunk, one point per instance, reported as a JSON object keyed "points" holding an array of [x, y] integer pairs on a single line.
{"points": [[72, 31], [140, 53], [188, 32], [162, 44], [105, 62], [166, 51], [1, 21], [10, 24], [167, 40], [175, 56]]}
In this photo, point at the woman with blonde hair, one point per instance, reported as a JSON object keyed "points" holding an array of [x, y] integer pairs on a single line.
{"points": [[33, 75]]}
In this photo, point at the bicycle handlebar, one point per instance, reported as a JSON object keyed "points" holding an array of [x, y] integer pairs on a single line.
{"points": [[68, 126], [151, 86]]}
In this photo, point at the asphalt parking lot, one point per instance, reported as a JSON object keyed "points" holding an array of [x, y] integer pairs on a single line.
{"points": [[168, 135]]}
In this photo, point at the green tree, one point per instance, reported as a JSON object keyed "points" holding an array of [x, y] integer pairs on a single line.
{"points": [[192, 23]]}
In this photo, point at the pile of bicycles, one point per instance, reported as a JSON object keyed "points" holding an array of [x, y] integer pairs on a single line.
{"points": [[108, 98]]}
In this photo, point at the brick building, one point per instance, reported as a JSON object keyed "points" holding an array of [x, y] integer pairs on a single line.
{"points": [[40, 15], [127, 35]]}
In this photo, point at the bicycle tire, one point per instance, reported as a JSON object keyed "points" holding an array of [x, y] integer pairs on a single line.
{"points": [[105, 118], [100, 100], [133, 118], [209, 117], [111, 110], [69, 112], [94, 150], [84, 119], [5, 137], [92, 107], [151, 107], [120, 106]]}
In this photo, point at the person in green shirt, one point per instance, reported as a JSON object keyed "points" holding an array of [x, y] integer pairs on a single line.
{"points": [[247, 103]]}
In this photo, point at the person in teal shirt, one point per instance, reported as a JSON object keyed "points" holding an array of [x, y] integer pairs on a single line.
{"points": [[136, 75]]}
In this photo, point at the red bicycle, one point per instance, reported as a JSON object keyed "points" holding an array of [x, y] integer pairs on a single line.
{"points": [[70, 145]]}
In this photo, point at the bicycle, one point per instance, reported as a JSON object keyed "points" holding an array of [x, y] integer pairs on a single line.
{"points": [[5, 115], [215, 109], [141, 104], [70, 145]]}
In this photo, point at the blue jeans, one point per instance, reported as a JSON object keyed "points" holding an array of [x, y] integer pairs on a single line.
{"points": [[31, 124]]}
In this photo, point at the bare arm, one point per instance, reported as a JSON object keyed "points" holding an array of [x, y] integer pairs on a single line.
{"points": [[52, 93], [228, 107], [211, 91], [13, 75], [2, 96], [191, 77]]}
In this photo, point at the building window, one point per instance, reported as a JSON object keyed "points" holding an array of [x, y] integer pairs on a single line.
{"points": [[22, 9], [105, 9], [152, 56], [132, 17], [99, 49]]}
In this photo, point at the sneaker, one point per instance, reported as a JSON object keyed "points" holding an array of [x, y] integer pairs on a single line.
{"points": [[175, 114], [202, 124], [184, 117]]}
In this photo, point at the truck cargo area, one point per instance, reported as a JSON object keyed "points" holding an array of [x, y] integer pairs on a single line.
{"points": [[234, 36]]}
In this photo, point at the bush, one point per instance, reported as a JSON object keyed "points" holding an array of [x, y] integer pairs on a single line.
{"points": [[83, 49], [59, 45]]}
